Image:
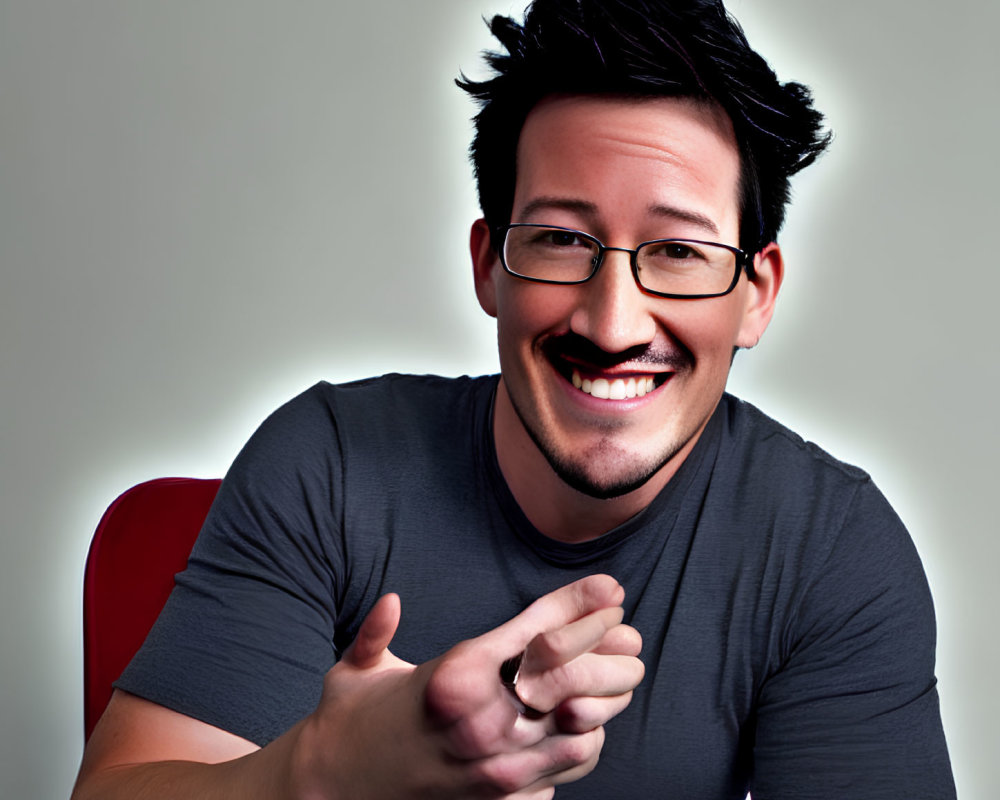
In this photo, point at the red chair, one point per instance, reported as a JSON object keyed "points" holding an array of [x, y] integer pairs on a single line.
{"points": [[142, 541]]}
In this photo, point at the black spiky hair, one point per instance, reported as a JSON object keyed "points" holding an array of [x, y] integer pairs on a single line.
{"points": [[644, 48]]}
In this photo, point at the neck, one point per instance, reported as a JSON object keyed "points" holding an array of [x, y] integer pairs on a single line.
{"points": [[550, 504]]}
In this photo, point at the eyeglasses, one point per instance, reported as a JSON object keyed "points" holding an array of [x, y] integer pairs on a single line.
{"points": [[680, 268]]}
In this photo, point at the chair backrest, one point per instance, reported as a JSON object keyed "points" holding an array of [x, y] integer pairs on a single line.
{"points": [[142, 541]]}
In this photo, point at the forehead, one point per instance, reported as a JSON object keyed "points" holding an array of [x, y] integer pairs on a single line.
{"points": [[625, 155]]}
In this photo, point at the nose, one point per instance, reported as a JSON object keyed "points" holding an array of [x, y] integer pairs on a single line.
{"points": [[613, 312]]}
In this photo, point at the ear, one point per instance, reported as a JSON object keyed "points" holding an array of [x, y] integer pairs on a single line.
{"points": [[485, 263], [769, 270]]}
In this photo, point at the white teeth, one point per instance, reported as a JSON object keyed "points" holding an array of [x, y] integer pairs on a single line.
{"points": [[617, 389]]}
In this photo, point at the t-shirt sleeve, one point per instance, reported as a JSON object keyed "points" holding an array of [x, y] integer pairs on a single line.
{"points": [[852, 710], [247, 633]]}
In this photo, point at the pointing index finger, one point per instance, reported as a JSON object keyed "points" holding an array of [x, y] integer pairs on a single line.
{"points": [[557, 609]]}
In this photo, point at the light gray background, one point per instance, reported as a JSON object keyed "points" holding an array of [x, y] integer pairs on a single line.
{"points": [[205, 207]]}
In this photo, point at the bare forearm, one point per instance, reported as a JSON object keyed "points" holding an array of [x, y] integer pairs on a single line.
{"points": [[266, 773]]}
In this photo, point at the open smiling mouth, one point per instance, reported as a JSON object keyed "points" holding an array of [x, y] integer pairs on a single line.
{"points": [[611, 376], [616, 388], [605, 386]]}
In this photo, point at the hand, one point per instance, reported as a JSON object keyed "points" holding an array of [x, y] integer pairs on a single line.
{"points": [[449, 728]]}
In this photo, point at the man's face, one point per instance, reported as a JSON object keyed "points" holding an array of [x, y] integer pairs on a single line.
{"points": [[626, 172]]}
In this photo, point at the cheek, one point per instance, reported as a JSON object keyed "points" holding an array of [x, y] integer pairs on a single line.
{"points": [[708, 329], [529, 310]]}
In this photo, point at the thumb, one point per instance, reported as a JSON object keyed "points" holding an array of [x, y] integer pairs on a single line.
{"points": [[376, 632]]}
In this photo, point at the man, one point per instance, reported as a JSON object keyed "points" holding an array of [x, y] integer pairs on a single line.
{"points": [[718, 607]]}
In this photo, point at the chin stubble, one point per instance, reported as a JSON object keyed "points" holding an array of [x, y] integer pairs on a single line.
{"points": [[575, 475]]}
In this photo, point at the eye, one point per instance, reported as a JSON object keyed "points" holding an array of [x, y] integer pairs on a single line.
{"points": [[558, 238], [674, 251], [678, 251]]}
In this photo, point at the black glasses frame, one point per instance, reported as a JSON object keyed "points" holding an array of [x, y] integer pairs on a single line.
{"points": [[743, 260]]}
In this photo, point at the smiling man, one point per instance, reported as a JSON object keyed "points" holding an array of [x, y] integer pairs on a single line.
{"points": [[614, 356], [618, 580]]}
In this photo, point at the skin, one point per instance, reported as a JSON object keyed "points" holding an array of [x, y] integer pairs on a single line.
{"points": [[625, 171]]}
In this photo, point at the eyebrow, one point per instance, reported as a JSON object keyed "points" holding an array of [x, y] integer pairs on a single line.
{"points": [[581, 207], [587, 209], [684, 215]]}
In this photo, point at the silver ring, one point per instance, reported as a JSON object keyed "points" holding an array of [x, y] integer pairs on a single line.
{"points": [[510, 671]]}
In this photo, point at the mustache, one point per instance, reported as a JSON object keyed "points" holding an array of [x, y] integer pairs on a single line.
{"points": [[578, 349]]}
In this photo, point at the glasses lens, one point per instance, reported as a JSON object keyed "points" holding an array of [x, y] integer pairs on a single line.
{"points": [[686, 268], [549, 254]]}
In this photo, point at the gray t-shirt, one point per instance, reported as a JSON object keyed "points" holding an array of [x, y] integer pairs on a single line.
{"points": [[787, 625]]}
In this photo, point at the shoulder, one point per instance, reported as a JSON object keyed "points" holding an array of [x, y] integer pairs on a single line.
{"points": [[431, 395], [365, 432], [326, 412], [820, 514], [393, 410], [773, 471], [824, 522], [751, 436]]}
